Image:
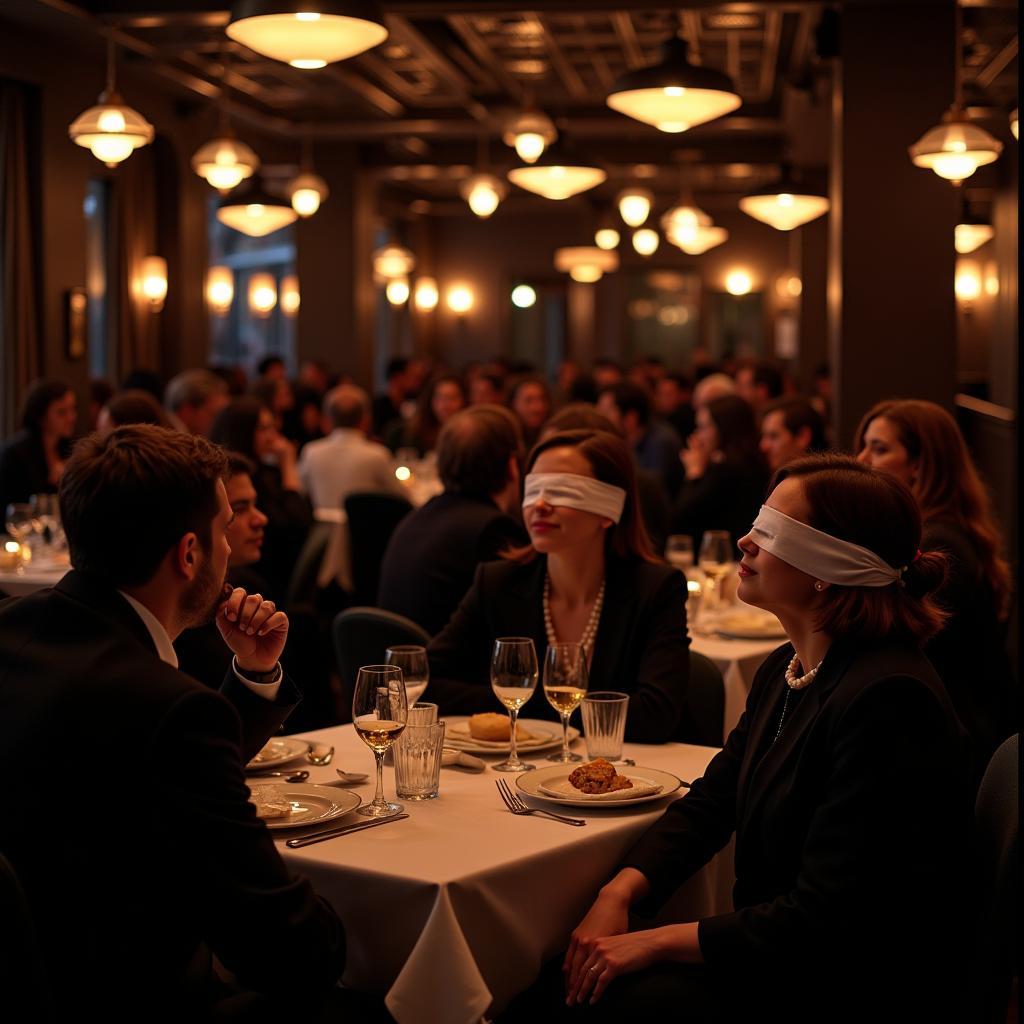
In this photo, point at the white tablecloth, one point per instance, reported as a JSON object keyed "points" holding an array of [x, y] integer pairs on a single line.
{"points": [[453, 912], [33, 579]]}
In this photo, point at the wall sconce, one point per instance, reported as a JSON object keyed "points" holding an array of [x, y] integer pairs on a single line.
{"points": [[220, 289], [967, 282], [290, 297], [153, 277], [262, 294], [397, 291], [738, 282], [426, 295], [459, 299]]}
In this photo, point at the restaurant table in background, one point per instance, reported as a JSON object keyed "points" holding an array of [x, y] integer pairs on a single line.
{"points": [[35, 577], [453, 911]]}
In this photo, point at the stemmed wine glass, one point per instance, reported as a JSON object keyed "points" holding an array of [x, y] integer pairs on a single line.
{"points": [[21, 524], [513, 679], [412, 660], [46, 510], [565, 685], [716, 563], [379, 714]]}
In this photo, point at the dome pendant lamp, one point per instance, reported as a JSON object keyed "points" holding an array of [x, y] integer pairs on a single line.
{"points": [[674, 95], [529, 133], [786, 204], [254, 212], [559, 173], [307, 190], [307, 34]]}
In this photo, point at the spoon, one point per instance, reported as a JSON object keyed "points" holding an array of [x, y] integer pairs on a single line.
{"points": [[353, 778], [293, 776], [319, 754]]}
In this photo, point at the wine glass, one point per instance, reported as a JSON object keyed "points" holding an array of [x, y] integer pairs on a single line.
{"points": [[716, 563], [679, 551], [21, 522], [513, 679], [412, 660], [565, 685], [46, 510], [379, 714]]}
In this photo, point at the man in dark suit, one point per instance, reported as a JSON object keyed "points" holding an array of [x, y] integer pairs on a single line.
{"points": [[136, 883], [434, 552]]}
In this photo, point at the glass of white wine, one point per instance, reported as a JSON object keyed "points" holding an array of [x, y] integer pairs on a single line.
{"points": [[513, 679], [716, 563], [565, 685], [379, 713], [412, 660]]}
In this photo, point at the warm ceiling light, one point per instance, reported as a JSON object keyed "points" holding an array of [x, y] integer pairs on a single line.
{"points": [[111, 130], [967, 282], [483, 192], [426, 294], [393, 261], [646, 241], [291, 298], [307, 191], [738, 282], [262, 294], [968, 237], [225, 162], [674, 95], [705, 238], [459, 299], [635, 205], [788, 286], [1013, 122], [956, 148], [558, 174], [220, 289], [153, 280], [307, 35], [786, 204], [606, 238], [530, 133], [585, 263], [254, 212], [397, 291], [523, 296], [691, 229]]}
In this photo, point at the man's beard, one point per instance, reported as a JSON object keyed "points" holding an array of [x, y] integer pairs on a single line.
{"points": [[204, 596]]}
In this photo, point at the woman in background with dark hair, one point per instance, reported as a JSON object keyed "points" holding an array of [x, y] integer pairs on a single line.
{"points": [[725, 472], [588, 576], [441, 398], [845, 784], [32, 461], [920, 444], [530, 399]]}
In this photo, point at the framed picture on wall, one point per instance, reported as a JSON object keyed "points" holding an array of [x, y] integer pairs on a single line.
{"points": [[76, 319]]}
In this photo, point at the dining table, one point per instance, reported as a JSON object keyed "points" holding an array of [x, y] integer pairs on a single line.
{"points": [[452, 911], [35, 576]]}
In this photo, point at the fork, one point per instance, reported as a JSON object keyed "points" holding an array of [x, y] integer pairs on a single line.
{"points": [[516, 806]]}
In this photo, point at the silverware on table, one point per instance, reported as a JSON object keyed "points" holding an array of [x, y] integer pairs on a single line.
{"points": [[516, 806], [299, 775], [319, 753], [351, 778], [344, 830]]}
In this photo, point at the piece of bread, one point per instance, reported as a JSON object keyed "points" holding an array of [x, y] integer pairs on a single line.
{"points": [[270, 803], [494, 727], [598, 776]]}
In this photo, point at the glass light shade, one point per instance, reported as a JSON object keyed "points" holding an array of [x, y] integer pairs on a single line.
{"points": [[646, 241], [397, 291], [262, 294], [530, 132], [426, 294], [585, 263], [225, 162], [523, 296], [968, 237], [706, 237], [682, 223], [558, 181], [393, 261], [459, 299], [606, 238], [254, 211], [153, 280], [312, 36], [635, 206], [307, 192], [111, 131], [483, 192], [220, 289], [674, 95], [291, 297], [956, 148], [738, 282]]}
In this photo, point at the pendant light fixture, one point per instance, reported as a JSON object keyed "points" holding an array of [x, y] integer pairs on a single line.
{"points": [[254, 212], [220, 289], [111, 130], [483, 191], [224, 162], [307, 34], [646, 241], [972, 230], [291, 297], [607, 238], [586, 263], [426, 294], [674, 95], [307, 190], [559, 173], [955, 148], [262, 294], [529, 133], [634, 205], [786, 204], [392, 261], [689, 228]]}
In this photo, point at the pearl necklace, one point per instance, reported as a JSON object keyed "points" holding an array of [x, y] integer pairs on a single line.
{"points": [[795, 682], [589, 631]]}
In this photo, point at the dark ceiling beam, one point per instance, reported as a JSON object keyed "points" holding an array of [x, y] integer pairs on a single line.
{"points": [[486, 57], [770, 54], [691, 30], [802, 42], [991, 71], [597, 61], [566, 72], [623, 25]]}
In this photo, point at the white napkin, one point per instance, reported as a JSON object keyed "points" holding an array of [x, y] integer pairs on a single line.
{"points": [[451, 758], [564, 789]]}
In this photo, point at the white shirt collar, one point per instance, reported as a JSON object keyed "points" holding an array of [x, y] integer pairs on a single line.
{"points": [[164, 647]]}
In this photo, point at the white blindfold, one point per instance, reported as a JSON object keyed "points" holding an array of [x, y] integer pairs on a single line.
{"points": [[571, 490]]}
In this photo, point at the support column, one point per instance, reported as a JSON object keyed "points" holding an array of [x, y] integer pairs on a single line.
{"points": [[813, 241]]}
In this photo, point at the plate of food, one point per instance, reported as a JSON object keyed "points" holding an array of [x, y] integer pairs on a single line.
{"points": [[597, 783], [295, 804], [488, 733], [277, 752], [748, 624]]}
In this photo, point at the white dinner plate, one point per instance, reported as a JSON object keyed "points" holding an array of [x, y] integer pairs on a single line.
{"points": [[542, 736], [277, 752], [310, 804], [534, 783], [748, 625]]}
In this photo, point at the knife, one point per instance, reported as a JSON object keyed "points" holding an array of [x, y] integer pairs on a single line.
{"points": [[344, 830]]}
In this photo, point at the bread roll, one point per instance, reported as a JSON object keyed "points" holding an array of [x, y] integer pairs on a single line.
{"points": [[494, 727]]}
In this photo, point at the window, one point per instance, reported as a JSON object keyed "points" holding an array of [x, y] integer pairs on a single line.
{"points": [[99, 277]]}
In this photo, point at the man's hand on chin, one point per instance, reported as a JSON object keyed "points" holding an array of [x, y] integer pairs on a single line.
{"points": [[254, 630]]}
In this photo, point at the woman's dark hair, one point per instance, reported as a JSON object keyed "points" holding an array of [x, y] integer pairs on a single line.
{"points": [[38, 399], [612, 463], [425, 424], [864, 506], [737, 429], [135, 406], [235, 425]]}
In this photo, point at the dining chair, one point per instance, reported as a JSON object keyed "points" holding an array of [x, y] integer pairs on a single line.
{"points": [[302, 587], [704, 717], [372, 519]]}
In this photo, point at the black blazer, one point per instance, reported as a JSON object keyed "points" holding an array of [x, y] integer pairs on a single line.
{"points": [[726, 497], [433, 554], [641, 646], [134, 883], [851, 832], [23, 468]]}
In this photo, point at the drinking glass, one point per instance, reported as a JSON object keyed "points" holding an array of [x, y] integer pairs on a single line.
{"points": [[21, 524], [379, 713], [716, 562], [513, 679], [565, 685], [412, 660], [46, 510], [679, 551], [604, 723]]}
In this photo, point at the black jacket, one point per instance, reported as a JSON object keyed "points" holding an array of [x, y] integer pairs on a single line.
{"points": [[133, 882], [23, 468], [727, 497], [641, 646]]}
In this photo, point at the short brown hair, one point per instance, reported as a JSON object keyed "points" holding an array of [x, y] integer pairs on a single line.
{"points": [[798, 413], [850, 501], [128, 498], [135, 406], [473, 450]]}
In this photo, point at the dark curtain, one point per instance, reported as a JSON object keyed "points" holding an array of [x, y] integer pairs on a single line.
{"points": [[20, 279]]}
